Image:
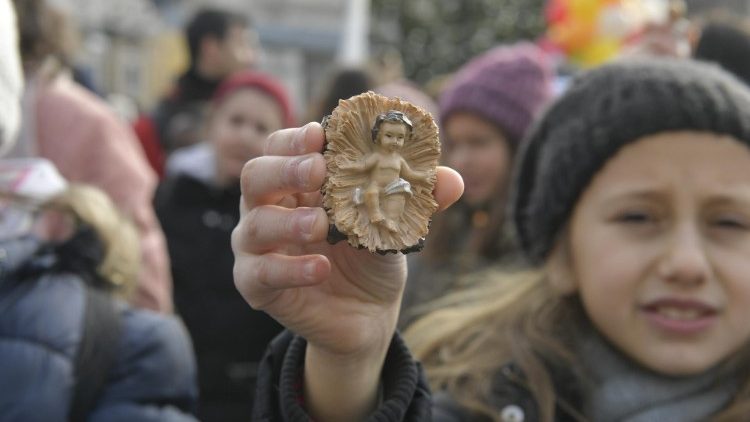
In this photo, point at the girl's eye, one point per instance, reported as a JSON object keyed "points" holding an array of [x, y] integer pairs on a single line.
{"points": [[635, 217], [236, 120], [730, 223], [479, 142]]}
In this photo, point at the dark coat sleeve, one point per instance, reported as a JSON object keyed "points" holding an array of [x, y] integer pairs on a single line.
{"points": [[406, 396]]}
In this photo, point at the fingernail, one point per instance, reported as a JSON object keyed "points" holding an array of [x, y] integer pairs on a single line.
{"points": [[309, 270], [303, 171], [306, 224], [298, 142]]}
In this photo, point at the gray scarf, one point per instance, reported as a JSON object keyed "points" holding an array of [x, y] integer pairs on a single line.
{"points": [[623, 391]]}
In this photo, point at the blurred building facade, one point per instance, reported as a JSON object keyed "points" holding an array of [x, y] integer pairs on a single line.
{"points": [[134, 48]]}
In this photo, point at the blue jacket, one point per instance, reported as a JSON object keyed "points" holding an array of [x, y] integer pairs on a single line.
{"points": [[152, 378]]}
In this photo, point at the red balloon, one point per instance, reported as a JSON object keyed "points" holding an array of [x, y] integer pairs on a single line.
{"points": [[556, 11]]}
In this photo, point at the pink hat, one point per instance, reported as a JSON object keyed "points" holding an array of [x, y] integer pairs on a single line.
{"points": [[261, 81]]}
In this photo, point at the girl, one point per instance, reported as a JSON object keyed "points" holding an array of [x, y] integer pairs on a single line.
{"points": [[197, 207], [484, 112], [631, 203]]}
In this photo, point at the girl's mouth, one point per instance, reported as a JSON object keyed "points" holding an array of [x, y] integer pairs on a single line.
{"points": [[680, 316]]}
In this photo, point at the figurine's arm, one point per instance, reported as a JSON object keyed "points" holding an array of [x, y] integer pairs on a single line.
{"points": [[413, 175]]}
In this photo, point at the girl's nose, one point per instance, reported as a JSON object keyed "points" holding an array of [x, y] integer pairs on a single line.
{"points": [[685, 261], [458, 159], [250, 133]]}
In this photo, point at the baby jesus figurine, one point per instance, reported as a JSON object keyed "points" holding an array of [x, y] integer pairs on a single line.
{"points": [[387, 169], [381, 158]]}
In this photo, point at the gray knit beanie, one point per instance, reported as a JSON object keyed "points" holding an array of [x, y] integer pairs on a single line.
{"points": [[603, 110]]}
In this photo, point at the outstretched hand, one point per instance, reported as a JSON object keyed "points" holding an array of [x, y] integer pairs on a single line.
{"points": [[342, 300]]}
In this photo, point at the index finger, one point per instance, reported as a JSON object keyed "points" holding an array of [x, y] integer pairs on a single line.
{"points": [[295, 141]]}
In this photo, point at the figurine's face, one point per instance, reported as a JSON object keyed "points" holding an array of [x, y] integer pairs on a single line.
{"points": [[238, 128], [480, 153], [392, 135], [659, 251]]}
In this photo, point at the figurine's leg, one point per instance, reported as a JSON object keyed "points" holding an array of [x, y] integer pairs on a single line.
{"points": [[393, 205], [372, 202]]}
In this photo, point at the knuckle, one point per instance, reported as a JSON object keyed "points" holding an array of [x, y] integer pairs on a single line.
{"points": [[236, 238], [238, 276], [249, 280], [260, 275], [268, 142], [289, 169], [247, 176], [249, 167], [243, 283], [269, 146], [252, 225]]}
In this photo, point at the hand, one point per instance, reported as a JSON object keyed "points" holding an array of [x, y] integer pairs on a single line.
{"points": [[344, 301]]}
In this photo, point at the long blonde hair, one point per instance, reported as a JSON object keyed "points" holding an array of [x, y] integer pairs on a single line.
{"points": [[504, 317], [513, 317], [122, 255]]}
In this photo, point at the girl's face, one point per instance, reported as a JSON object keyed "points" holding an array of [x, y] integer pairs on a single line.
{"points": [[480, 153], [660, 250], [238, 128]]}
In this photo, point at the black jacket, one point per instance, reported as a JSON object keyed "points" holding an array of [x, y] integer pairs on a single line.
{"points": [[229, 336], [406, 395], [178, 116]]}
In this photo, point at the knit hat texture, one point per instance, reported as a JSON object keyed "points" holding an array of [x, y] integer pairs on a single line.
{"points": [[261, 81], [603, 110], [506, 85]]}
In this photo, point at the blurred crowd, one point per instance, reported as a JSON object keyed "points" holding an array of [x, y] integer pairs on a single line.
{"points": [[117, 290]]}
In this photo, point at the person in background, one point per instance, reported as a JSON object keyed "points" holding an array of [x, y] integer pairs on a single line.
{"points": [[631, 203], [484, 112], [70, 348], [387, 65], [220, 43], [725, 40], [409, 91], [343, 84], [197, 206], [77, 131]]}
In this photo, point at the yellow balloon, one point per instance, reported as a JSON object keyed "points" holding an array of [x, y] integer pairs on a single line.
{"points": [[585, 10], [598, 52], [572, 37]]}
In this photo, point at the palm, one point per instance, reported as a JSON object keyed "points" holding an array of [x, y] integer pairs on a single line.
{"points": [[361, 287]]}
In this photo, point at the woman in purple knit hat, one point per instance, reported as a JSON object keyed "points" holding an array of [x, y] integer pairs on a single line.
{"points": [[484, 111]]}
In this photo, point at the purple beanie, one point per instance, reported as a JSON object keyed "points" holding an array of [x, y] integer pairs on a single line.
{"points": [[506, 85]]}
